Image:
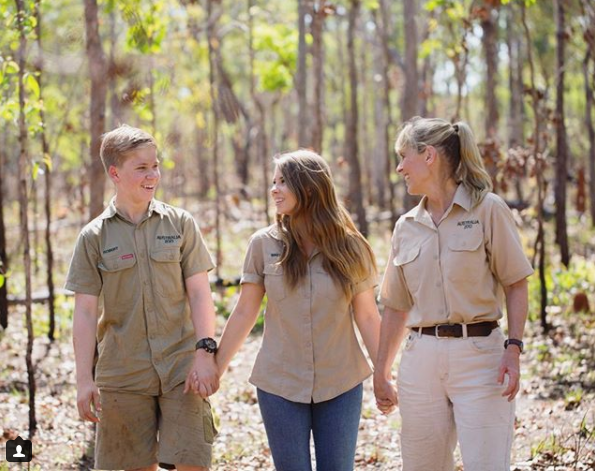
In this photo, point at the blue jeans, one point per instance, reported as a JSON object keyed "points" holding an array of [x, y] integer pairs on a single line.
{"points": [[334, 425]]}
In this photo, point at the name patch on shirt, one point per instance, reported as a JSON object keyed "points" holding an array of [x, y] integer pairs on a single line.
{"points": [[169, 239], [110, 250], [127, 256], [468, 224]]}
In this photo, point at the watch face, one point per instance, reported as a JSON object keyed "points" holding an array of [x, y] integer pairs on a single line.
{"points": [[211, 344]]}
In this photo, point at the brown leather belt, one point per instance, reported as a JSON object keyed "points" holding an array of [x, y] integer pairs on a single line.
{"points": [[480, 329]]}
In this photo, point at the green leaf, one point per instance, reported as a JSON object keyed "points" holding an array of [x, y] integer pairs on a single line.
{"points": [[32, 85], [2, 278], [11, 67], [168, 164], [35, 170], [47, 161]]}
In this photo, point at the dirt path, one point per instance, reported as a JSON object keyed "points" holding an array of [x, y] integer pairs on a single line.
{"points": [[548, 434]]}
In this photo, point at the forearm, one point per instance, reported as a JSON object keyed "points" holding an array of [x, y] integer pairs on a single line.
{"points": [[392, 332], [202, 310], [234, 334], [84, 332], [516, 308], [369, 326]]}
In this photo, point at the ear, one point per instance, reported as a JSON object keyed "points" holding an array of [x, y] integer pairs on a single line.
{"points": [[430, 154], [112, 171]]}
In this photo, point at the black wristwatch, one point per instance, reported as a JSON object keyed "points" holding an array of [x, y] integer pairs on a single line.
{"points": [[208, 344], [517, 342]]}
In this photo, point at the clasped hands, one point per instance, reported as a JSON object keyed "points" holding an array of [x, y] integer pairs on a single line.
{"points": [[386, 394], [203, 377]]}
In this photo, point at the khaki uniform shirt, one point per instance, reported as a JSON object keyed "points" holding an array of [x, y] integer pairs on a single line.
{"points": [[145, 334], [310, 351], [454, 273]]}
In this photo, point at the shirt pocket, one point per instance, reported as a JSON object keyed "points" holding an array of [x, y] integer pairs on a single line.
{"points": [[168, 278], [119, 281], [273, 282], [408, 260], [466, 256], [326, 286]]}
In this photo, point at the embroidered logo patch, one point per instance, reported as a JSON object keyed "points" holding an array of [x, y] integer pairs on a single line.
{"points": [[468, 224], [110, 250], [127, 256], [169, 239]]}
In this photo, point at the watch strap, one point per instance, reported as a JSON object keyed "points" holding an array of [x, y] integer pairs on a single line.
{"points": [[517, 342]]}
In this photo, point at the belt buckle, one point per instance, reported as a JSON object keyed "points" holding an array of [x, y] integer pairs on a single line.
{"points": [[437, 330]]}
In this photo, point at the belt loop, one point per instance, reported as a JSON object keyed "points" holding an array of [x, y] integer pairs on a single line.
{"points": [[419, 332], [464, 330]]}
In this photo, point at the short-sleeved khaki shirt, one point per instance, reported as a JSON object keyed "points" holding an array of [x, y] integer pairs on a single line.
{"points": [[145, 333], [454, 273], [310, 351]]}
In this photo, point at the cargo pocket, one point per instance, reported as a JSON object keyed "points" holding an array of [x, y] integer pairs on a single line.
{"points": [[118, 281], [273, 282], [208, 422], [169, 280]]}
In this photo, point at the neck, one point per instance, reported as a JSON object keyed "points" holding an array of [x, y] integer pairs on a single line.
{"points": [[440, 198], [133, 212]]}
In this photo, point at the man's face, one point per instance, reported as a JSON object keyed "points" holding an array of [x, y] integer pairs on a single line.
{"points": [[137, 178]]}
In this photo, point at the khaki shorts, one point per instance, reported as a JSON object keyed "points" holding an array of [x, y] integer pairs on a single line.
{"points": [[127, 435]]}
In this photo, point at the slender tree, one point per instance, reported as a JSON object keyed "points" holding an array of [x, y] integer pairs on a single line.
{"points": [[23, 166], [355, 200], [411, 92], [97, 73], [590, 104], [212, 44], [301, 76], [47, 163], [539, 167], [3, 257], [561, 142], [318, 16]]}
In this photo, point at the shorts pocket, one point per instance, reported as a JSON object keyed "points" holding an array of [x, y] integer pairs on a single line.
{"points": [[410, 341], [208, 423]]}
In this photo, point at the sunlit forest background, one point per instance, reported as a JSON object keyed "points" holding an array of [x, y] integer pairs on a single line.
{"points": [[224, 86]]}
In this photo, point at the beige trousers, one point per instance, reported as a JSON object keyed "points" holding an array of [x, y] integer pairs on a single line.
{"points": [[448, 389]]}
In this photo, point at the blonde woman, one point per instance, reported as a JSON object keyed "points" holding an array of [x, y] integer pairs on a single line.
{"points": [[319, 274], [450, 258]]}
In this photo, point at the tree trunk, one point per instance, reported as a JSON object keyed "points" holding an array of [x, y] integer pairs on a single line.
{"points": [[410, 96], [301, 75], [539, 176], [3, 257], [355, 199], [380, 149], [97, 72], [561, 143], [212, 42], [23, 205], [389, 159], [47, 159], [489, 40], [427, 74], [317, 130], [591, 133], [262, 139]]}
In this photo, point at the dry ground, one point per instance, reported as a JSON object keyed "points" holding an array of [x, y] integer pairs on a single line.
{"points": [[556, 410]]}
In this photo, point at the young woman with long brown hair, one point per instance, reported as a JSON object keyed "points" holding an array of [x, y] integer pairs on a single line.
{"points": [[319, 274]]}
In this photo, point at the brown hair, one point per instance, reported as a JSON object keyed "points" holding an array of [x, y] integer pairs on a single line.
{"points": [[456, 143], [319, 215], [117, 143]]}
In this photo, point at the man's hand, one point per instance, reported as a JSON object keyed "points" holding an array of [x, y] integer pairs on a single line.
{"points": [[203, 377], [386, 394], [88, 401], [510, 365]]}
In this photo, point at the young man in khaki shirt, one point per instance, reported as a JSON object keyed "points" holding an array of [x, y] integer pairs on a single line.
{"points": [[139, 273]]}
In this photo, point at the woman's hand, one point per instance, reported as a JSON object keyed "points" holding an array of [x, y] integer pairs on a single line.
{"points": [[386, 394]]}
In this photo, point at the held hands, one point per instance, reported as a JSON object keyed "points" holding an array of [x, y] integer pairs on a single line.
{"points": [[510, 365], [386, 394], [203, 377], [88, 401]]}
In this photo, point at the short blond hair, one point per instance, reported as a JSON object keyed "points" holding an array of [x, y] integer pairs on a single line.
{"points": [[122, 140]]}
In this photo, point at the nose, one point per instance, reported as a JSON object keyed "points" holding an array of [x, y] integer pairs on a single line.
{"points": [[400, 167], [274, 188], [154, 173]]}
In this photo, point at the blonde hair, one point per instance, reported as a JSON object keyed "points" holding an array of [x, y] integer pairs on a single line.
{"points": [[117, 143], [348, 257], [456, 143]]}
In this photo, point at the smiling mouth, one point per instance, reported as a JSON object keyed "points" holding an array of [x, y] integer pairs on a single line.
{"points": [[149, 187]]}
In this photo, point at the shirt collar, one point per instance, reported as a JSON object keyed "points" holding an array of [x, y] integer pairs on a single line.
{"points": [[154, 206], [419, 214]]}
